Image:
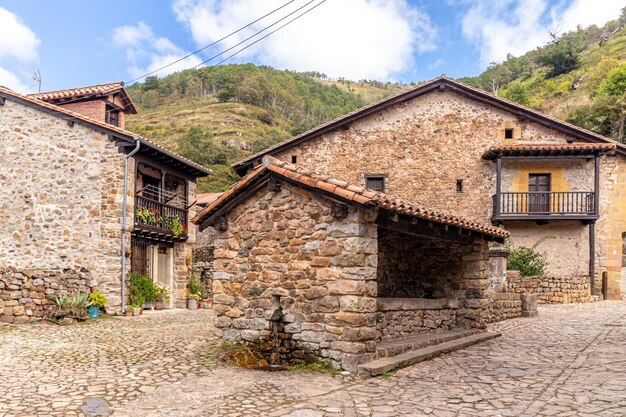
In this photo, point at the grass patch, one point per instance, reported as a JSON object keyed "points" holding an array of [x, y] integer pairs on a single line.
{"points": [[386, 375], [321, 366]]}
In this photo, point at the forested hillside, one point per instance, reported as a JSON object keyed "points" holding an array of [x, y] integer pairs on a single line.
{"points": [[578, 76], [218, 115]]}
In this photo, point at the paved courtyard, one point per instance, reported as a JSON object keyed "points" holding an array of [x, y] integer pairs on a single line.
{"points": [[569, 361]]}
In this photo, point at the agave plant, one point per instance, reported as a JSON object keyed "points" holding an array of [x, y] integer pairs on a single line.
{"points": [[67, 306]]}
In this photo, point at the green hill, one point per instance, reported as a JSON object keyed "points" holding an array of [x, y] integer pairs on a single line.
{"points": [[232, 111]]}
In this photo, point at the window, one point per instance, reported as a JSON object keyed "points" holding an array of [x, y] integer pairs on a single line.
{"points": [[112, 116], [375, 182], [294, 159], [459, 186], [508, 133]]}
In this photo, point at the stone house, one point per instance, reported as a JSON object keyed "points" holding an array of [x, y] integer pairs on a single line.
{"points": [[306, 264], [460, 149], [62, 181]]}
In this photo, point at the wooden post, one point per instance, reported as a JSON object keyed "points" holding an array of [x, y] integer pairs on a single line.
{"points": [[592, 257], [498, 186], [597, 185]]}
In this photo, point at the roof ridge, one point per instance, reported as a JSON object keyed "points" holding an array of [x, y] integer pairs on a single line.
{"points": [[117, 83]]}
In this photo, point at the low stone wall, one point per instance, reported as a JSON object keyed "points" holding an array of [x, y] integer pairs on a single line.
{"points": [[29, 294], [551, 290], [404, 317], [504, 306]]}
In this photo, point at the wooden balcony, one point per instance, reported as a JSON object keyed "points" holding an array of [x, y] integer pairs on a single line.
{"points": [[572, 205], [159, 221]]}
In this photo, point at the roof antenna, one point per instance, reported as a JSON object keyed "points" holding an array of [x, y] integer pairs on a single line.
{"points": [[36, 76]]}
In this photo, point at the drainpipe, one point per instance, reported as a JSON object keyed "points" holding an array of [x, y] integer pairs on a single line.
{"points": [[126, 157]]}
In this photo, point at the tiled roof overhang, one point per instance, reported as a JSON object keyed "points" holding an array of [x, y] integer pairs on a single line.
{"points": [[549, 150], [80, 93]]}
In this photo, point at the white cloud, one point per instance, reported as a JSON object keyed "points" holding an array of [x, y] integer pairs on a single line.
{"points": [[17, 42], [499, 27], [16, 39], [147, 52], [374, 39]]}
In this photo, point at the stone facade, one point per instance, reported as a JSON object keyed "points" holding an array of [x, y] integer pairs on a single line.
{"points": [[404, 317], [426, 145], [503, 306], [62, 209], [549, 289], [283, 254]]}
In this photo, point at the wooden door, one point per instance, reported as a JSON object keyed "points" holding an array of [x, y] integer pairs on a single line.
{"points": [[539, 193]]}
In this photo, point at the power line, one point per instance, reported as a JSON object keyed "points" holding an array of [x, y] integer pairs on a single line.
{"points": [[263, 37], [259, 32], [213, 43]]}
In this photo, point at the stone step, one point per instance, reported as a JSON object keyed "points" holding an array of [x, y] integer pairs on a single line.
{"points": [[395, 347], [386, 364]]}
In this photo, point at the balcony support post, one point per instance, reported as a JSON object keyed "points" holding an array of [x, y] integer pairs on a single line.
{"points": [[498, 186], [596, 189], [592, 257]]}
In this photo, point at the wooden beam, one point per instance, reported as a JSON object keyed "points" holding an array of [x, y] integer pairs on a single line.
{"points": [[422, 229]]}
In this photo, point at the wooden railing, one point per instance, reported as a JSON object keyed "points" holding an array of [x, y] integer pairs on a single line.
{"points": [[160, 218], [540, 204]]}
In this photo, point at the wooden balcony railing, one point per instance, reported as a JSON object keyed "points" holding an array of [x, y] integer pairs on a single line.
{"points": [[545, 205], [159, 219]]}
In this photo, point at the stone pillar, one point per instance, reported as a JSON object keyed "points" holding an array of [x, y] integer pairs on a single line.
{"points": [[529, 305], [498, 257]]}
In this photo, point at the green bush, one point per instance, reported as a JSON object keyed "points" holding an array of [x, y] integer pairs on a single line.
{"points": [[67, 306], [528, 260], [141, 289], [96, 299], [195, 286]]}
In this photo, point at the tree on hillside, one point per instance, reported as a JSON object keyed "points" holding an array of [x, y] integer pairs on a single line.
{"points": [[197, 145], [561, 54]]}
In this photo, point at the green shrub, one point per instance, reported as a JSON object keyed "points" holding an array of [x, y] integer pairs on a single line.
{"points": [[141, 289], [195, 286], [96, 299], [528, 260], [69, 306]]}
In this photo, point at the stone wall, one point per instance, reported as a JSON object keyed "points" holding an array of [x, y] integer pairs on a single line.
{"points": [[403, 317], [286, 249], [504, 306], [62, 189], [28, 295], [549, 289]]}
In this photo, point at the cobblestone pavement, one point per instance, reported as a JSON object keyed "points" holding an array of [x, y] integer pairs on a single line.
{"points": [[50, 370], [569, 361]]}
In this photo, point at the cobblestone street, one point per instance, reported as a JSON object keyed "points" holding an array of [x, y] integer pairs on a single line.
{"points": [[568, 361]]}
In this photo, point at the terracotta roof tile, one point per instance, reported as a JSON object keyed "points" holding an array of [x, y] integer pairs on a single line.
{"points": [[548, 149], [87, 91], [349, 192]]}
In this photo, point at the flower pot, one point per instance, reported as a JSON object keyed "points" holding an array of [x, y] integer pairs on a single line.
{"points": [[136, 311], [187, 262], [94, 312], [128, 313], [140, 310], [159, 305], [192, 304]]}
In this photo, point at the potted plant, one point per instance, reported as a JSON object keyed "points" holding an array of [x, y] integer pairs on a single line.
{"points": [[188, 260], [129, 310], [162, 295], [196, 289], [137, 310], [142, 290], [192, 301], [96, 301]]}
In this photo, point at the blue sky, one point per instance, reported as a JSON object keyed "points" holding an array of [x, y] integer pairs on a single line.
{"points": [[77, 42]]}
